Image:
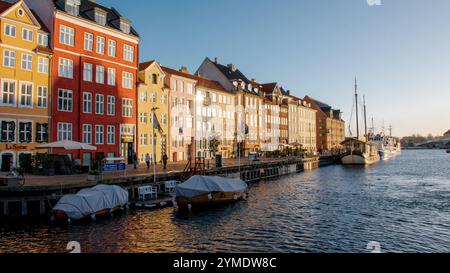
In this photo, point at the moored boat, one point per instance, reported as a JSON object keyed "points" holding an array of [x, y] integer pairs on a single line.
{"points": [[92, 203], [360, 152], [201, 191]]}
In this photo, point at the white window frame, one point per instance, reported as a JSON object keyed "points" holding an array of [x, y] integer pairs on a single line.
{"points": [[67, 95], [19, 132], [99, 133], [100, 74], [27, 62], [111, 135], [64, 131], [87, 103], [43, 39], [88, 72], [42, 97], [128, 53], [43, 65], [27, 35], [10, 28], [87, 134], [65, 68], [100, 45], [14, 93], [127, 108], [66, 35], [127, 80], [111, 106], [9, 58], [112, 76], [112, 48], [27, 96], [99, 104], [88, 41], [100, 18]]}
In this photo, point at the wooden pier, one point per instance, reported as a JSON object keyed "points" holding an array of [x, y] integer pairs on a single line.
{"points": [[38, 201]]}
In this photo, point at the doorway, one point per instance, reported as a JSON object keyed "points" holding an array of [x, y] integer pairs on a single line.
{"points": [[7, 162]]}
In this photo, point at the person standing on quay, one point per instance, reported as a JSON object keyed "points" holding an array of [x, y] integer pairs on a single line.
{"points": [[164, 159], [147, 160], [135, 159]]}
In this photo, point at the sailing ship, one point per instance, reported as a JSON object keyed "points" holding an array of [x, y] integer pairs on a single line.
{"points": [[360, 151]]}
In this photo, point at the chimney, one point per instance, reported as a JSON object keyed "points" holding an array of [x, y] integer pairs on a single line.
{"points": [[232, 67], [253, 80], [216, 60], [184, 69], [288, 92]]}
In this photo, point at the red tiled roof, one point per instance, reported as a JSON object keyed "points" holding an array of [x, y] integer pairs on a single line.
{"points": [[178, 73], [4, 6], [209, 84], [143, 66], [269, 87], [44, 49]]}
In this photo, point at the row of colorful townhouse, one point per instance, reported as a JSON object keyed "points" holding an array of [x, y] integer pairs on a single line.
{"points": [[70, 71]]}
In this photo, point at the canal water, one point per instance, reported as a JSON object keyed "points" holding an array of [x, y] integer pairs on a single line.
{"points": [[402, 204]]}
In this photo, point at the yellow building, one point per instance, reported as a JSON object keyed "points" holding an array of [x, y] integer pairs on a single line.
{"points": [[25, 85], [152, 94]]}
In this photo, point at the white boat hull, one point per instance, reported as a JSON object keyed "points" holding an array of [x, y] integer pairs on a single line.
{"points": [[359, 160]]}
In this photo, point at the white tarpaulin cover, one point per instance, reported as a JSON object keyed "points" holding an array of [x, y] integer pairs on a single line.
{"points": [[89, 201], [200, 185]]}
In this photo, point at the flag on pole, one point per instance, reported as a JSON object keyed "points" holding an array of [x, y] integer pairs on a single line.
{"points": [[157, 125]]}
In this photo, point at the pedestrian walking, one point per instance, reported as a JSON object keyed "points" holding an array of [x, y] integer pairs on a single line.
{"points": [[147, 160]]}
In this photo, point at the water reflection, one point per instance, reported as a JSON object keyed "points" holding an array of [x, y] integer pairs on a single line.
{"points": [[403, 204]]}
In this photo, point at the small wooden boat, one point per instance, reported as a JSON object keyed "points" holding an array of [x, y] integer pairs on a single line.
{"points": [[206, 191], [90, 204], [360, 152]]}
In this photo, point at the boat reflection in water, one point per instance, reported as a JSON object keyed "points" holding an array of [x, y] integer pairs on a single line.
{"points": [[206, 191]]}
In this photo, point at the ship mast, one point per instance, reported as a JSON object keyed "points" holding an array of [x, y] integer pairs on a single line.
{"points": [[357, 118], [365, 118]]}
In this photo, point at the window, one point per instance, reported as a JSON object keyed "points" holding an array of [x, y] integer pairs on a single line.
{"points": [[190, 88], [143, 117], [43, 39], [43, 65], [154, 79], [99, 134], [127, 108], [164, 99], [8, 131], [25, 134], [73, 7], [88, 41], [112, 48], [41, 132], [154, 97], [65, 100], [100, 45], [8, 95], [99, 104], [10, 30], [27, 35], [127, 80], [100, 74], [112, 76], [67, 36], [26, 93], [27, 61], [87, 72], [87, 103], [164, 119], [143, 139], [111, 111], [111, 135], [128, 53], [100, 18], [87, 133], [65, 68], [42, 97], [64, 131], [125, 27], [9, 58]]}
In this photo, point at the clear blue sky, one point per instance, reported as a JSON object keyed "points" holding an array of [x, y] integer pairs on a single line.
{"points": [[400, 51]]}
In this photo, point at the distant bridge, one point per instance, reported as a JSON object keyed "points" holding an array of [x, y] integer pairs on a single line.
{"points": [[436, 144]]}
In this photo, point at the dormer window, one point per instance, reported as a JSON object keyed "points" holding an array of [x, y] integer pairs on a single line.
{"points": [[100, 17], [73, 7], [43, 39], [250, 87], [125, 27]]}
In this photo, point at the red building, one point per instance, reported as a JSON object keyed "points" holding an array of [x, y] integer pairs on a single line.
{"points": [[94, 75]]}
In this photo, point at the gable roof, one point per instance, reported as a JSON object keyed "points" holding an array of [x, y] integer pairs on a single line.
{"points": [[268, 88], [4, 6], [178, 73], [203, 82], [231, 74], [112, 15], [145, 65]]}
